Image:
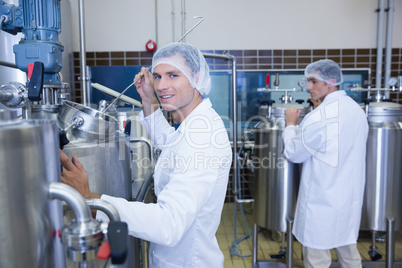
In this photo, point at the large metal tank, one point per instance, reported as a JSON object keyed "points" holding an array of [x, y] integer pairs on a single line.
{"points": [[142, 161], [383, 191], [277, 180], [100, 147], [29, 161]]}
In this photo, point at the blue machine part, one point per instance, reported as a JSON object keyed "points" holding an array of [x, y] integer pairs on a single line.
{"points": [[41, 21], [13, 18]]}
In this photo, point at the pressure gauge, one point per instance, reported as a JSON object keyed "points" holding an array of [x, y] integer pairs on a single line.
{"points": [[392, 81], [302, 83]]}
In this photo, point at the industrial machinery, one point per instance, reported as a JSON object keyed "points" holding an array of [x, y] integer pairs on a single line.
{"points": [[31, 226], [92, 135], [276, 179], [382, 197], [39, 54]]}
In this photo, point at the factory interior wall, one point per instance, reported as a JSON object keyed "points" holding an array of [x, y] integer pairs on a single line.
{"points": [[126, 25]]}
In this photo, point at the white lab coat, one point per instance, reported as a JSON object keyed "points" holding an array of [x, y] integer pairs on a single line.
{"points": [[331, 144], [190, 178]]}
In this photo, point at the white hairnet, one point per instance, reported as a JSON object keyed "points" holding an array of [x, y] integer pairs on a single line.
{"points": [[325, 70], [189, 60]]}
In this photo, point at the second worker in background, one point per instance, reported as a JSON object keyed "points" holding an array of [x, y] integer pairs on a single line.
{"points": [[331, 144]]}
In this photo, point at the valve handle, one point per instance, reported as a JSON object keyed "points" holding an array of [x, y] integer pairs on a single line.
{"points": [[104, 251], [35, 87], [117, 232], [127, 127]]}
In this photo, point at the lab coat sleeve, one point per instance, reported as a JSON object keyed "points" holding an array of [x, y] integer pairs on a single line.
{"points": [[191, 185], [156, 126], [304, 142]]}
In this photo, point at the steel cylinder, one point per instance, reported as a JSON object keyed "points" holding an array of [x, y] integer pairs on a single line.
{"points": [[140, 145], [276, 178], [29, 161], [383, 190], [107, 164]]}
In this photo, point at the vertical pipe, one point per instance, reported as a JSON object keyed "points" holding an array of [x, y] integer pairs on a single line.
{"points": [[183, 19], [255, 249], [388, 45], [156, 22], [83, 61], [173, 21], [390, 247], [88, 85], [234, 115], [380, 29], [289, 256], [234, 119]]}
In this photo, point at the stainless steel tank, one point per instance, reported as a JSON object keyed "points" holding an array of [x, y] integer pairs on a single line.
{"points": [[29, 161], [142, 162], [100, 147], [276, 179], [383, 191]]}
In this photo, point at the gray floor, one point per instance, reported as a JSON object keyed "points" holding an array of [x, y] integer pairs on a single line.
{"points": [[269, 243]]}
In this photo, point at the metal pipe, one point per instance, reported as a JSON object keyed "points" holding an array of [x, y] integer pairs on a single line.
{"points": [[388, 45], [183, 18], [255, 242], [289, 256], [380, 28], [83, 61], [234, 112], [6, 95], [148, 142], [141, 194], [189, 31], [8, 64], [173, 14], [73, 198], [104, 206], [156, 22], [390, 247]]}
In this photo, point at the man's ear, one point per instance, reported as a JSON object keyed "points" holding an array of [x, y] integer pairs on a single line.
{"points": [[332, 82]]}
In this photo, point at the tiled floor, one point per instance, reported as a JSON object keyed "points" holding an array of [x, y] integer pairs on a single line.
{"points": [[269, 242]]}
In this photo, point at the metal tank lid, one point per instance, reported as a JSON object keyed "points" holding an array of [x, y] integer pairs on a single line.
{"points": [[384, 109], [279, 108]]}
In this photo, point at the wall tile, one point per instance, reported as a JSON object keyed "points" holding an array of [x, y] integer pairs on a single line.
{"points": [[117, 54], [263, 53], [254, 59], [319, 52], [304, 52], [100, 55]]}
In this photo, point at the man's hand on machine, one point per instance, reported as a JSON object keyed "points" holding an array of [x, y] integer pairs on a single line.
{"points": [[74, 175]]}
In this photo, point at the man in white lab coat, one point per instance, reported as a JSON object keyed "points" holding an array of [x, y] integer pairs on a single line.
{"points": [[191, 173], [331, 144]]}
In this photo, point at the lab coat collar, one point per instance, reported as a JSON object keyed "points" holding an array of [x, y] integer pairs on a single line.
{"points": [[335, 95], [203, 106]]}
